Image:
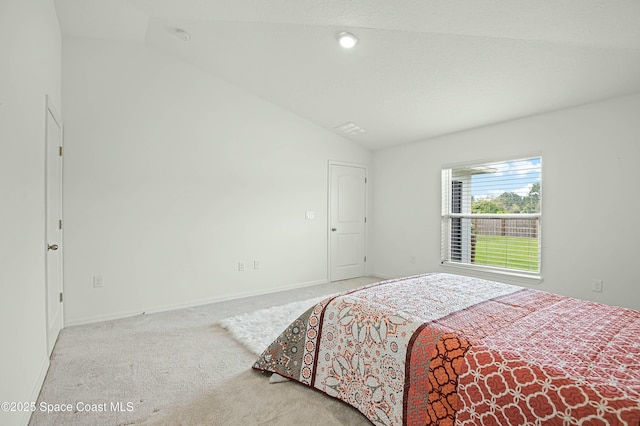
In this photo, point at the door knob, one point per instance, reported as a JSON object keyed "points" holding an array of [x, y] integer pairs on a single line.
{"points": [[334, 229], [52, 247]]}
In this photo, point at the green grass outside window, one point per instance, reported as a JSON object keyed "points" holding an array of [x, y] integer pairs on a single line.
{"points": [[507, 252]]}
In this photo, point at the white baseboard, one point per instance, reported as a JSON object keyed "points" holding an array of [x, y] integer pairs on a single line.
{"points": [[190, 304], [35, 392], [383, 276]]}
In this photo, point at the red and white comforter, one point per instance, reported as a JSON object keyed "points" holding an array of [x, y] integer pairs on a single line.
{"points": [[446, 349]]}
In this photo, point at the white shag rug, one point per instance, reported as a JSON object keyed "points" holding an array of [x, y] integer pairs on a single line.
{"points": [[257, 330]]}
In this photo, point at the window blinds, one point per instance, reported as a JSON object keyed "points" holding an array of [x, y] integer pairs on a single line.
{"points": [[491, 215]]}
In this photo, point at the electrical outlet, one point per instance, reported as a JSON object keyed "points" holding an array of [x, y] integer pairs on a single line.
{"points": [[240, 266], [98, 281], [596, 286]]}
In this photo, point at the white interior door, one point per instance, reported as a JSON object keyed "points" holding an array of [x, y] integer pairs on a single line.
{"points": [[53, 244], [347, 222]]}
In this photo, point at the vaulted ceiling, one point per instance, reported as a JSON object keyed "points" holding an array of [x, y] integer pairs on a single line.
{"points": [[422, 68]]}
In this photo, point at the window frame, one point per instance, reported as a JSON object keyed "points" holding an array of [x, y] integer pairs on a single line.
{"points": [[448, 216]]}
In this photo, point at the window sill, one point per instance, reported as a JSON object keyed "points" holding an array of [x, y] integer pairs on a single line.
{"points": [[489, 273]]}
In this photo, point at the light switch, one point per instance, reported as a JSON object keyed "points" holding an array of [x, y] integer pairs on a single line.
{"points": [[310, 215], [98, 281]]}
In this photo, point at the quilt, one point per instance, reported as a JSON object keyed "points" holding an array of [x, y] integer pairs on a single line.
{"points": [[443, 349]]}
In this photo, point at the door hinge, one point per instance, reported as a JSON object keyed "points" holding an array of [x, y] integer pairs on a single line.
{"points": [[365, 180], [365, 219], [60, 151], [60, 224], [365, 258], [60, 297]]}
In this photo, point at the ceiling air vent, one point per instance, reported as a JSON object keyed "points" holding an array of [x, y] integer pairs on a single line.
{"points": [[350, 129]]}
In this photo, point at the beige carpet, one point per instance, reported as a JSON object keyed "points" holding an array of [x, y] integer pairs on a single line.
{"points": [[248, 399], [179, 368]]}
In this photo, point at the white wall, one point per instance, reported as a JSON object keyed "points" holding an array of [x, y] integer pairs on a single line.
{"points": [[30, 68], [590, 229], [173, 176]]}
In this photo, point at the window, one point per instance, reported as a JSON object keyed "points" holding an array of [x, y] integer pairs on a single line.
{"points": [[491, 216]]}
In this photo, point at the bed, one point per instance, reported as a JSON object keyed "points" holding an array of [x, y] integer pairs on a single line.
{"points": [[446, 349]]}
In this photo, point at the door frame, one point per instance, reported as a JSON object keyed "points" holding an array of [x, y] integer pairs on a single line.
{"points": [[332, 163], [51, 110]]}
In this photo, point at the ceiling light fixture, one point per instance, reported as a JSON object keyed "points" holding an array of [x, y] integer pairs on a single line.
{"points": [[347, 40], [182, 34]]}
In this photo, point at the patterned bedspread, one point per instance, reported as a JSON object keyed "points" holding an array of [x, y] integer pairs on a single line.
{"points": [[444, 349]]}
